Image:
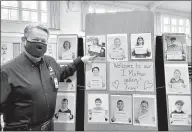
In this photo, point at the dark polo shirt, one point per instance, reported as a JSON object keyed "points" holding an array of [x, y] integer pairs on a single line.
{"points": [[28, 93]]}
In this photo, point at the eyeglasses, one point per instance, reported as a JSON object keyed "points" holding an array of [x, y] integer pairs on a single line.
{"points": [[36, 41]]}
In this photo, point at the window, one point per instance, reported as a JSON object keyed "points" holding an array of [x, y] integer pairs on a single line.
{"points": [[32, 11], [9, 10], [43, 11], [175, 24]]}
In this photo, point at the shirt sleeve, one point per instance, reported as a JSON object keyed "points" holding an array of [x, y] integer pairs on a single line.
{"points": [[70, 69], [5, 89]]}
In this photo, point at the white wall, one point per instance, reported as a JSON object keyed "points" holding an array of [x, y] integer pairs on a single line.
{"points": [[70, 21]]}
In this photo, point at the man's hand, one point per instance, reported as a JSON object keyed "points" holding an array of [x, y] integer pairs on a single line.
{"points": [[87, 59]]}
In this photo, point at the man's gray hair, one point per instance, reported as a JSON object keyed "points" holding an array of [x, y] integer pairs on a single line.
{"points": [[38, 26]]}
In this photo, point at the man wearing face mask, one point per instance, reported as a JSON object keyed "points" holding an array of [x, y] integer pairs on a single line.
{"points": [[29, 84]]}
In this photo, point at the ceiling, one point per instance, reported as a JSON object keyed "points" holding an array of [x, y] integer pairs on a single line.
{"points": [[182, 6], [178, 6]]}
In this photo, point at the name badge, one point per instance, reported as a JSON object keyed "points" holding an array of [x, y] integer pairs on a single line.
{"points": [[56, 83]]}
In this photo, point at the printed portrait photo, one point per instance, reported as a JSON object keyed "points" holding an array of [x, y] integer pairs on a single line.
{"points": [[121, 109], [98, 108], [51, 50], [6, 52], [96, 76], [177, 78], [65, 108], [95, 46], [179, 110], [141, 46], [66, 47], [117, 47], [69, 83], [144, 110], [175, 47]]}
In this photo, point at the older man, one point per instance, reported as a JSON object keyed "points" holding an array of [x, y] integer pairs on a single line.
{"points": [[29, 84]]}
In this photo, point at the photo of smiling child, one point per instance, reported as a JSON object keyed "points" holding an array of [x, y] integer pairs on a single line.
{"points": [[65, 107], [96, 76], [177, 78], [98, 111], [66, 47], [180, 110], [95, 46], [141, 46], [117, 47], [121, 109], [144, 110], [175, 47]]}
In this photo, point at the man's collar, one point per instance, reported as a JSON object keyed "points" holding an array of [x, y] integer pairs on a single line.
{"points": [[30, 58]]}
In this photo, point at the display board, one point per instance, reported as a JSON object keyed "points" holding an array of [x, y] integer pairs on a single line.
{"points": [[65, 112], [178, 89], [127, 99]]}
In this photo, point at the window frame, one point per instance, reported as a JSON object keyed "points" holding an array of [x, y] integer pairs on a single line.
{"points": [[20, 15], [177, 26]]}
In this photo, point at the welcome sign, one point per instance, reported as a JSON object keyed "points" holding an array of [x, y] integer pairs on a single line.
{"points": [[131, 76]]}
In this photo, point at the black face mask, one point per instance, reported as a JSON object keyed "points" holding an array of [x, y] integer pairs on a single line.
{"points": [[36, 49]]}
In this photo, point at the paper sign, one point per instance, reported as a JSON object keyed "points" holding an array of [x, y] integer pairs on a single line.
{"points": [[116, 54], [177, 85], [131, 76], [121, 116], [98, 115], [179, 119], [94, 48], [96, 83], [174, 55], [67, 55], [64, 116], [140, 50]]}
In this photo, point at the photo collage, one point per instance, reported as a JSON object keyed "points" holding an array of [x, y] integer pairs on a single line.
{"points": [[120, 68], [178, 88], [66, 48]]}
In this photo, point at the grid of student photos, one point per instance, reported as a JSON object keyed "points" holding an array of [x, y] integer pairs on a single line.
{"points": [[66, 48], [120, 83], [178, 88]]}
